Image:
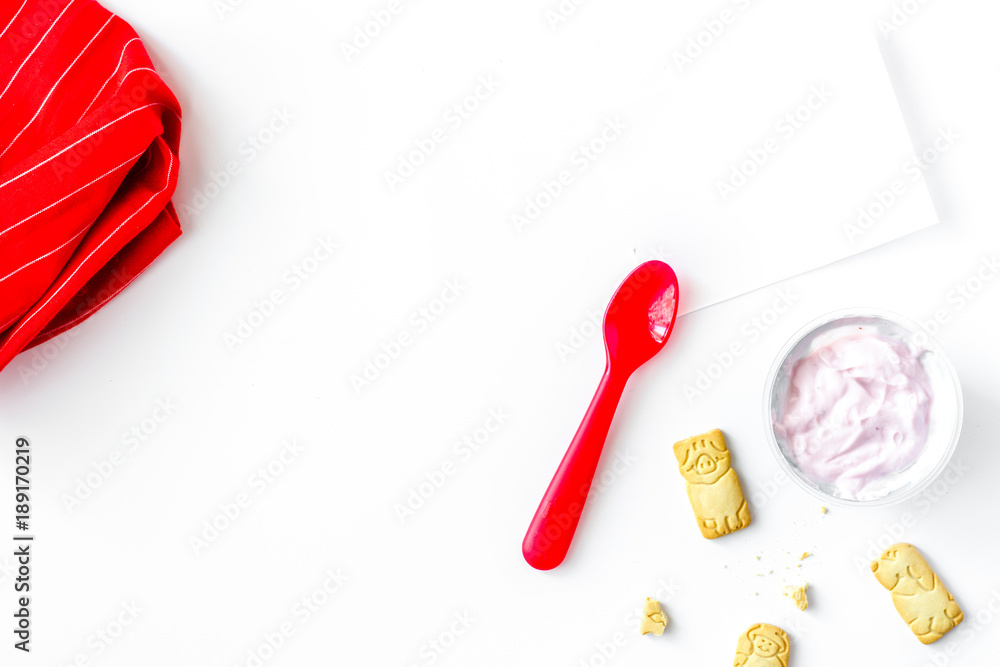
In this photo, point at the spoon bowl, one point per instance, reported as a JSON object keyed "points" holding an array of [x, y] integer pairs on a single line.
{"points": [[640, 317]]}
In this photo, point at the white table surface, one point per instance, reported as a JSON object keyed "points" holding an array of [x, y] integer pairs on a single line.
{"points": [[448, 586]]}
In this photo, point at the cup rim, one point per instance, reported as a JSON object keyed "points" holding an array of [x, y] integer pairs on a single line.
{"points": [[930, 344]]}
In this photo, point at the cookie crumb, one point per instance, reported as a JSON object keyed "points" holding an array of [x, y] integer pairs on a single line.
{"points": [[653, 619], [797, 594]]}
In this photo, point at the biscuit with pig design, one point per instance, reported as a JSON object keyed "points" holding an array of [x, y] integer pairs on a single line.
{"points": [[712, 485]]}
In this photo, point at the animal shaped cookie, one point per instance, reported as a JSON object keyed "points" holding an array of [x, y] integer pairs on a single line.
{"points": [[712, 485], [762, 645], [918, 594]]}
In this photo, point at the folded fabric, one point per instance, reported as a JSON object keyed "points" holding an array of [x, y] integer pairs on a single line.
{"points": [[89, 135]]}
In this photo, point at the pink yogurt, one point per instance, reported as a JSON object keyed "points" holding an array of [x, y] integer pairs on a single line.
{"points": [[857, 410], [661, 314]]}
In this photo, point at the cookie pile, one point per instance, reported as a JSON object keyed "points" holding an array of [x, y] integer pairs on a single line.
{"points": [[713, 488]]}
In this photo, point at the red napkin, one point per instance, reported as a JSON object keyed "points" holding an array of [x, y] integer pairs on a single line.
{"points": [[89, 134]]}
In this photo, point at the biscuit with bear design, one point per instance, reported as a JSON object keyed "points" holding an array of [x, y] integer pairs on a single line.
{"points": [[712, 485], [918, 594], [762, 645]]}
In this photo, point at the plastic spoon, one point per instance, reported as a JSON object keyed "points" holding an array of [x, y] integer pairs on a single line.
{"points": [[637, 324]]}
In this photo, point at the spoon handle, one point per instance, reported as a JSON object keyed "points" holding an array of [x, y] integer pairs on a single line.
{"points": [[555, 521]]}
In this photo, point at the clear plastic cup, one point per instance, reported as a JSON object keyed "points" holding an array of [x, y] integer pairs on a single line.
{"points": [[946, 407]]}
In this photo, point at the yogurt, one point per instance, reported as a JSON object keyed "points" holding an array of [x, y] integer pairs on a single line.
{"points": [[857, 410], [661, 314]]}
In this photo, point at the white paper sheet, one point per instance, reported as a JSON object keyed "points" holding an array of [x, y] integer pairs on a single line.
{"points": [[514, 163], [751, 178]]}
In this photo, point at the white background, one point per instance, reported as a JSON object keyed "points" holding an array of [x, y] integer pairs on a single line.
{"points": [[331, 509]]}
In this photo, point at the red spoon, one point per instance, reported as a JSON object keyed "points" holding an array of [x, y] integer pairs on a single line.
{"points": [[637, 324]]}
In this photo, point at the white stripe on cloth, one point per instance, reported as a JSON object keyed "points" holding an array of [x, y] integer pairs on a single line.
{"points": [[54, 250], [13, 18], [53, 89], [84, 138], [120, 59], [23, 63], [67, 325], [83, 263], [82, 187]]}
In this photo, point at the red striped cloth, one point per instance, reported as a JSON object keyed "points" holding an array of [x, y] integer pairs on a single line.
{"points": [[89, 134]]}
